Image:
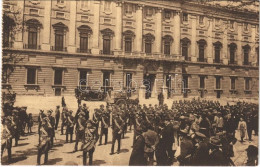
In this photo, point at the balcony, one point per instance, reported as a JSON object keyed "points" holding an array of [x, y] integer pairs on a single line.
{"points": [[202, 60], [63, 49], [218, 61], [8, 44], [232, 62], [106, 53], [83, 50], [29, 46]]}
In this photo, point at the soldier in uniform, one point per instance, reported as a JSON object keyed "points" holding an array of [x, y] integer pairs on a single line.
{"points": [[30, 123], [40, 118], [89, 142], [51, 120], [57, 117], [63, 118], [85, 110], [6, 142], [80, 127], [96, 119], [45, 141], [70, 125], [117, 128], [105, 118], [17, 126]]}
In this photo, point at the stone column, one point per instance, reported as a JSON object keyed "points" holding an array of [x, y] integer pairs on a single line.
{"points": [[239, 57], [193, 39], [18, 43], [210, 43], [95, 44], [253, 55], [225, 45], [142, 90], [118, 28], [72, 27], [158, 31], [177, 33], [47, 26], [139, 29]]}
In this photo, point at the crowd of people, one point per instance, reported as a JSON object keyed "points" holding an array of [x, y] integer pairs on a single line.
{"points": [[196, 132]]}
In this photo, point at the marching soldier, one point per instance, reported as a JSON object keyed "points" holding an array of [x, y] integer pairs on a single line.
{"points": [[80, 127], [51, 121], [45, 141], [117, 127], [104, 126], [6, 142], [89, 142], [70, 126], [57, 117]]}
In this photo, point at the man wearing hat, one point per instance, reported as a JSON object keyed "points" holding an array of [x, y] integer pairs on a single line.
{"points": [[85, 110], [57, 117], [252, 155], [105, 119], [70, 126], [117, 128], [51, 120], [89, 142], [80, 122]]}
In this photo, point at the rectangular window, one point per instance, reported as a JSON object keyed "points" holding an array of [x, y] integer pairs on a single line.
{"points": [[167, 48], [217, 22], [185, 51], [231, 24], [201, 19], [149, 12], [59, 42], [60, 1], [218, 82], [168, 81], [128, 80], [34, 12], [128, 9], [233, 83], [128, 45], [217, 54], [148, 47], [58, 76], [247, 83], [5, 74], [31, 75], [106, 45], [83, 77], [202, 82], [83, 44], [60, 15], [232, 55], [106, 78], [201, 53], [185, 17], [246, 52], [167, 14], [245, 26], [32, 38]]}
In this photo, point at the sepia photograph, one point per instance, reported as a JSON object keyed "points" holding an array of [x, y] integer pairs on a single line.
{"points": [[130, 82]]}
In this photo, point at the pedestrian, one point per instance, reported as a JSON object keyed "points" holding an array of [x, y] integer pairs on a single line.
{"points": [[249, 125], [57, 117], [70, 126], [89, 142], [30, 123], [242, 128]]}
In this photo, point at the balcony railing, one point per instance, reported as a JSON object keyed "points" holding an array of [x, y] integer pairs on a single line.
{"points": [[8, 44], [83, 50], [106, 53], [202, 60], [28, 46], [63, 49], [232, 62]]}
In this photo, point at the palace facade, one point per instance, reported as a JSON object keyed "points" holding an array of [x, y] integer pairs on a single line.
{"points": [[182, 48]]}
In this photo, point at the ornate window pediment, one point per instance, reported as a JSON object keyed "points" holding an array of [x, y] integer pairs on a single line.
{"points": [[217, 44], [84, 29], [60, 25], [33, 23], [149, 36], [185, 40], [129, 33], [232, 45], [202, 42], [108, 32], [168, 38], [246, 47]]}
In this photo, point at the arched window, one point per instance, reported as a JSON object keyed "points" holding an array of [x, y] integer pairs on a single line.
{"points": [[202, 44], [128, 37], [148, 41], [232, 52], [107, 37], [185, 48], [84, 33], [217, 49], [60, 31], [246, 50], [167, 41]]}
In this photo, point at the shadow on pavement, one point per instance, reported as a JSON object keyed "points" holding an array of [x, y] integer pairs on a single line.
{"points": [[124, 150], [14, 159], [98, 162], [53, 161], [29, 152], [22, 144]]}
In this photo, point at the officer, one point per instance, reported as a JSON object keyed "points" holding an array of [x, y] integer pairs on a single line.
{"points": [[89, 142], [6, 142], [70, 126], [51, 121], [80, 127], [57, 117], [45, 141], [105, 118], [117, 128]]}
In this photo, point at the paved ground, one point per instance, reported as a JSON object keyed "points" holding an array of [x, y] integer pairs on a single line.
{"points": [[61, 153]]}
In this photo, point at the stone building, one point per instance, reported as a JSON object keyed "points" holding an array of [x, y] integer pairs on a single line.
{"points": [[184, 49]]}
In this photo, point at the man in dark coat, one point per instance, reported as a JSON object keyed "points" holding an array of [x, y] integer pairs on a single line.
{"points": [[63, 118], [117, 127], [57, 117], [105, 119], [70, 126], [51, 129], [85, 110], [137, 157], [80, 122], [249, 125]]}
